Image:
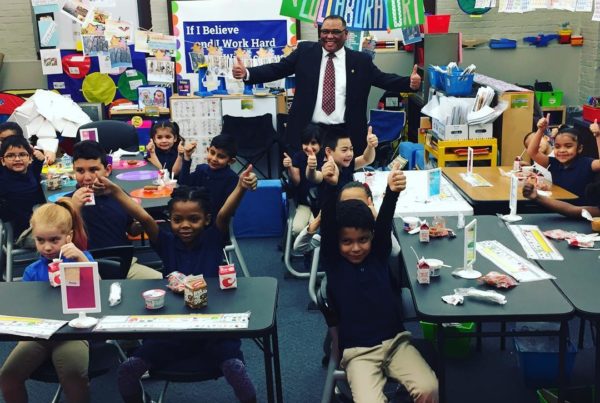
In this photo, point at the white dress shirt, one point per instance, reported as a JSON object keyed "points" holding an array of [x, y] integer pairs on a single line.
{"points": [[337, 116]]}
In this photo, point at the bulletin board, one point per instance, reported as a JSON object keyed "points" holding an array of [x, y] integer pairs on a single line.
{"points": [[134, 11], [227, 27]]}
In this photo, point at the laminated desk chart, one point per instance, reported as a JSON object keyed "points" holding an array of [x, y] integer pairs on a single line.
{"points": [[30, 327], [534, 242], [174, 322], [511, 263]]}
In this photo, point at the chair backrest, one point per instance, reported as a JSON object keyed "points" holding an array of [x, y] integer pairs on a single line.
{"points": [[113, 262], [387, 125], [251, 133], [113, 134]]}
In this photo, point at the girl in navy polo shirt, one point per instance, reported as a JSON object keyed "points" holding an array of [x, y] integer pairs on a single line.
{"points": [[191, 246], [57, 229], [569, 169], [162, 148]]}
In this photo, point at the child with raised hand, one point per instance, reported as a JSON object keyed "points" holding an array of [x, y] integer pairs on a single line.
{"points": [[368, 324], [569, 170], [57, 229], [592, 195], [191, 246], [216, 175], [162, 149], [296, 167], [20, 189]]}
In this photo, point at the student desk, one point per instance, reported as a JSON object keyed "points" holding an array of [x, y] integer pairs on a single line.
{"points": [[255, 294], [152, 205], [539, 301], [578, 276], [494, 199], [413, 200]]}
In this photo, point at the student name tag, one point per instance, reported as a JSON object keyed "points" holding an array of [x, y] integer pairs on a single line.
{"points": [[74, 70], [72, 278]]}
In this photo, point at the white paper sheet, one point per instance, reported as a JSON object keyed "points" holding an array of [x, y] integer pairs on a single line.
{"points": [[174, 322], [30, 327]]}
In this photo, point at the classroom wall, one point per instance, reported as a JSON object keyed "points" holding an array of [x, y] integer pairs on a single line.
{"points": [[574, 70]]}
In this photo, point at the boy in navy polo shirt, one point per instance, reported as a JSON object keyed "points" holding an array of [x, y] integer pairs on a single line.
{"points": [[216, 175], [368, 327], [106, 222], [340, 164], [20, 188]]}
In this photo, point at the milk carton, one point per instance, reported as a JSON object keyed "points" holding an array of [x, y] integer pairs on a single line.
{"points": [[227, 277]]}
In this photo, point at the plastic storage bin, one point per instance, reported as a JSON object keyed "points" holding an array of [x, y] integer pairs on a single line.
{"points": [[549, 98], [436, 24], [590, 113], [453, 347], [456, 84], [538, 359], [436, 79]]}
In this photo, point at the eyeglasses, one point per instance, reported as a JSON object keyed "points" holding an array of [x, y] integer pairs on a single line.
{"points": [[334, 32], [14, 156]]}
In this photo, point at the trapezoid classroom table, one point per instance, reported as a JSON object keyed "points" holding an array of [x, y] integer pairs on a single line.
{"points": [[414, 200], [578, 275], [494, 199], [539, 301], [255, 294]]}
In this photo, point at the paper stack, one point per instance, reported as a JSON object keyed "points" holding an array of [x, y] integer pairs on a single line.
{"points": [[47, 112]]}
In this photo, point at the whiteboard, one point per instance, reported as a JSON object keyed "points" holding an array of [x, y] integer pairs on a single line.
{"points": [[70, 31]]}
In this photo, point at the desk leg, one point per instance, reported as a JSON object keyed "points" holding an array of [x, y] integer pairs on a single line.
{"points": [[596, 324], [562, 355], [441, 364], [278, 389], [268, 356]]}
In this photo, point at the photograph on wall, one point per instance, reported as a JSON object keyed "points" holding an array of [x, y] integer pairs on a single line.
{"points": [[152, 96], [119, 29], [120, 56], [141, 41], [89, 134], [76, 10], [51, 61], [93, 35], [160, 71], [47, 30]]}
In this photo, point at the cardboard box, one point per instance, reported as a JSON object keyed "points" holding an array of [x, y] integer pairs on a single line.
{"points": [[483, 131], [450, 132]]}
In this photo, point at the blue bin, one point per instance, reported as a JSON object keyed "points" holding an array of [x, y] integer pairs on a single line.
{"points": [[539, 367], [455, 84], [262, 212], [436, 79], [407, 151]]}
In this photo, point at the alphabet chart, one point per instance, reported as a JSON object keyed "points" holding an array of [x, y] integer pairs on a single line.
{"points": [[173, 322], [534, 242]]}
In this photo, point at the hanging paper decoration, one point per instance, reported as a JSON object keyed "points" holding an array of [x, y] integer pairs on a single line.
{"points": [[129, 82], [98, 87], [403, 13], [76, 65]]}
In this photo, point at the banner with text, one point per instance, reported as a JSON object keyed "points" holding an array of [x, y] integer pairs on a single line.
{"points": [[305, 10], [405, 13], [366, 15], [229, 36]]}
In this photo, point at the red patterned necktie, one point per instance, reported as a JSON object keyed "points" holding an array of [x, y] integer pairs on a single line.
{"points": [[328, 101]]}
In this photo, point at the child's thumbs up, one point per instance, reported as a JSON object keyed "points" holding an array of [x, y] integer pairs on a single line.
{"points": [[396, 179], [372, 140], [595, 128], [414, 70], [287, 161], [248, 178]]}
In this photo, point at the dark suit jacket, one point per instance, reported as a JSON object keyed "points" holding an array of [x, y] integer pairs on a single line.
{"points": [[305, 63]]}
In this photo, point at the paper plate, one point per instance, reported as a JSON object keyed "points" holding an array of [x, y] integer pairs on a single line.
{"points": [[137, 175], [128, 83], [98, 87], [122, 164], [153, 194]]}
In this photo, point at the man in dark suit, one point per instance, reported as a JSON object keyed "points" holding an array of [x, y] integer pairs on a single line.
{"points": [[321, 99]]}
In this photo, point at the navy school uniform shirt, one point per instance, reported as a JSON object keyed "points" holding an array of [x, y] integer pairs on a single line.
{"points": [[326, 190], [204, 257], [219, 183], [38, 270], [300, 160], [167, 158], [19, 193], [574, 177], [106, 223], [367, 310]]}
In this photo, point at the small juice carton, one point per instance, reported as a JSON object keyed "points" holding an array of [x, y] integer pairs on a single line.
{"points": [[92, 201], [54, 272], [227, 277], [423, 271], [195, 292], [424, 232]]}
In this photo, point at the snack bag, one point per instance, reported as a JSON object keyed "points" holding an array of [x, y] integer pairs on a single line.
{"points": [[227, 277], [196, 292], [54, 272], [498, 280], [176, 281]]}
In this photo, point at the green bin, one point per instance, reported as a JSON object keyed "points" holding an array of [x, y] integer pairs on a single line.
{"points": [[459, 347], [549, 98]]}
